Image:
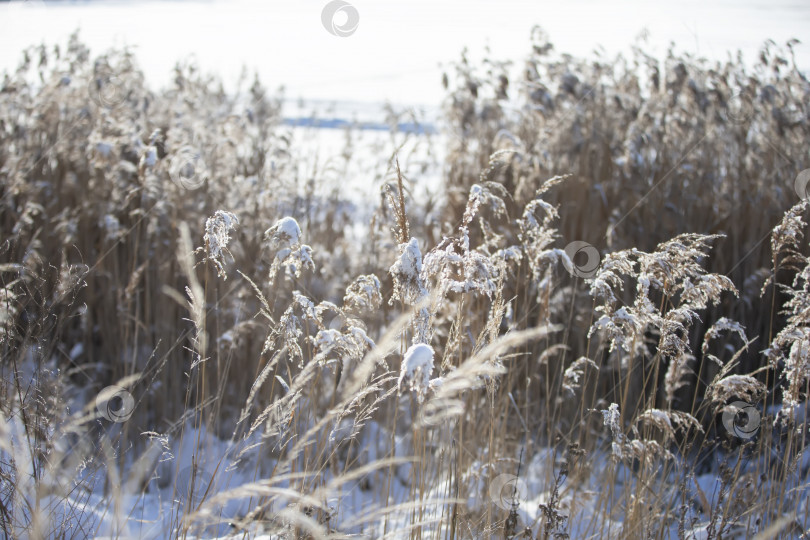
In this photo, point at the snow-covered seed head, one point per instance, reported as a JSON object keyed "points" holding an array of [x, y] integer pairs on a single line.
{"points": [[363, 295], [217, 236], [285, 233], [8, 313], [611, 417], [574, 372], [416, 369], [406, 271], [731, 386], [285, 239]]}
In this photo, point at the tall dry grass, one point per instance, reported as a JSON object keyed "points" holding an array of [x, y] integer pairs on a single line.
{"points": [[458, 367]]}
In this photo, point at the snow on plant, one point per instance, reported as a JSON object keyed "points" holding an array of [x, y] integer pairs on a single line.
{"points": [[573, 373], [347, 341], [723, 324], [679, 370], [610, 278], [363, 295], [788, 233], [477, 272], [349, 347], [406, 271], [479, 195], [676, 375], [285, 232], [621, 328], [217, 237], [797, 369], [455, 267], [451, 266], [645, 450], [672, 270], [648, 302], [743, 387], [668, 421], [536, 235], [459, 268], [659, 419], [8, 312], [611, 418], [409, 288], [791, 346], [285, 238], [726, 386], [290, 326], [417, 366]]}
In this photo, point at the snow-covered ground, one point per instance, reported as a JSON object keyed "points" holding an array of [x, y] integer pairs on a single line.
{"points": [[155, 489], [227, 472]]}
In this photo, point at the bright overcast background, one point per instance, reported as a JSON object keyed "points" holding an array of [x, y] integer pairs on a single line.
{"points": [[397, 50]]}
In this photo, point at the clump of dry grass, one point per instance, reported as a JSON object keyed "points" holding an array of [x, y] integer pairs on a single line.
{"points": [[415, 375]]}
